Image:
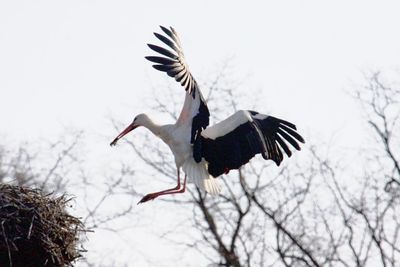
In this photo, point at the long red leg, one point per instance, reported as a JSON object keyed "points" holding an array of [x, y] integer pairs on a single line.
{"points": [[175, 190]]}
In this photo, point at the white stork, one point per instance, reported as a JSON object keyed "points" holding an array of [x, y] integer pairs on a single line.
{"points": [[206, 153]]}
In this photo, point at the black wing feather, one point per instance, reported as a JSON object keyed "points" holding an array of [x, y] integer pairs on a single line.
{"points": [[292, 133], [166, 41], [171, 34], [162, 51], [289, 139], [162, 60], [283, 146], [164, 68], [176, 70], [288, 124]]}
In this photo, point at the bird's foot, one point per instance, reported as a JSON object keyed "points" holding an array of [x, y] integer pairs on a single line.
{"points": [[148, 197]]}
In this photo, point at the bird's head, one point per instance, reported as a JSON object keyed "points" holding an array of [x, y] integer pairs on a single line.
{"points": [[139, 120]]}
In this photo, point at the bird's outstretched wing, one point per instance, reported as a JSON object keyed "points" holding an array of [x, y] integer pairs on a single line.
{"points": [[194, 112], [233, 142], [172, 62]]}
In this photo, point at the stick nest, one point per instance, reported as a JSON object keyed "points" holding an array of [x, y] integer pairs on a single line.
{"points": [[36, 230]]}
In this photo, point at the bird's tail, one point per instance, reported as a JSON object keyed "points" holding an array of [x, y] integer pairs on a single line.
{"points": [[197, 173]]}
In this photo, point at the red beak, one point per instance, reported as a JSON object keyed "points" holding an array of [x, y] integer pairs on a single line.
{"points": [[124, 132]]}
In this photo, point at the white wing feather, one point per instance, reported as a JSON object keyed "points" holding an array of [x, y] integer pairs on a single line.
{"points": [[228, 125]]}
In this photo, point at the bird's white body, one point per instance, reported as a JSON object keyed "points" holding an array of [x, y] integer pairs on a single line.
{"points": [[177, 137]]}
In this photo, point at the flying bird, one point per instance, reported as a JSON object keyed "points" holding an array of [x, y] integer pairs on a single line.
{"points": [[204, 153]]}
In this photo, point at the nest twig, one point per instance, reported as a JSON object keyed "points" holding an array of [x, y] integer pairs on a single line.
{"points": [[36, 230]]}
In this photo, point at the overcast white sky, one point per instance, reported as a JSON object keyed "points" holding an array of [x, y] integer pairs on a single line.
{"points": [[76, 63], [68, 63]]}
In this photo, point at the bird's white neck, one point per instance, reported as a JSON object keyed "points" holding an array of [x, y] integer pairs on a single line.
{"points": [[155, 128]]}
